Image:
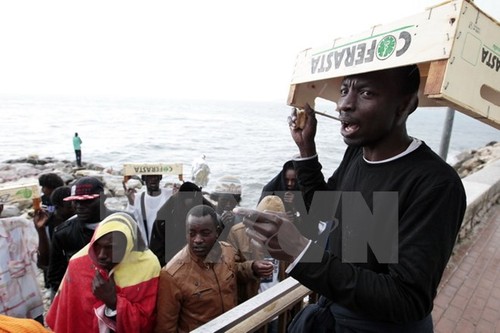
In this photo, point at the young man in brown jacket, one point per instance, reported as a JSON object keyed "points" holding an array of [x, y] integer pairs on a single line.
{"points": [[200, 282]]}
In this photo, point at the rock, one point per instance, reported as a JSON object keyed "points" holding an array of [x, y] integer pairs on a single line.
{"points": [[66, 177], [134, 183], [476, 159], [93, 166], [8, 175], [27, 170], [116, 203], [87, 173], [114, 184]]}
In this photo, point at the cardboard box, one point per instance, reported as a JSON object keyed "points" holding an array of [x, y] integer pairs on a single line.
{"points": [[130, 169], [10, 194], [456, 47]]}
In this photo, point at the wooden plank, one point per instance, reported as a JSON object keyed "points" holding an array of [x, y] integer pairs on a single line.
{"points": [[291, 95], [271, 311], [256, 304], [435, 77]]}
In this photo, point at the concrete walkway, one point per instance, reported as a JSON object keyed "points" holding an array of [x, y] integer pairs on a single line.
{"points": [[468, 299]]}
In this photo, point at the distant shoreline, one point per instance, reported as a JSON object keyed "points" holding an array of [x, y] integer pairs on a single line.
{"points": [[27, 170]]}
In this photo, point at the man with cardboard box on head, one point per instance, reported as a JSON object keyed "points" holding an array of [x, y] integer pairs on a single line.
{"points": [[394, 207]]}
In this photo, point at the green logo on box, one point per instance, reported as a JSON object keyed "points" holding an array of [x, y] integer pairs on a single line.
{"points": [[386, 47], [25, 193]]}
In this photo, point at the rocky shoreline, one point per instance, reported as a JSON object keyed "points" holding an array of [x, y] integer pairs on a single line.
{"points": [[27, 170]]}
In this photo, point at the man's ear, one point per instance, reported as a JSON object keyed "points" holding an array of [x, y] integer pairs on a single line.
{"points": [[413, 104], [220, 227], [408, 104]]}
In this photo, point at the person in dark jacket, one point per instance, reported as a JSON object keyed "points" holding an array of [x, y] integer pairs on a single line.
{"points": [[227, 195], [392, 209], [45, 219], [45, 224], [285, 180], [168, 236], [286, 186], [49, 182], [76, 232]]}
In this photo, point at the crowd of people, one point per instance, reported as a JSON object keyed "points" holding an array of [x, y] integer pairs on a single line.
{"points": [[98, 263], [372, 241]]}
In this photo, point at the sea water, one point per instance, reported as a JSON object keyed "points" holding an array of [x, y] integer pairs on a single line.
{"points": [[249, 140]]}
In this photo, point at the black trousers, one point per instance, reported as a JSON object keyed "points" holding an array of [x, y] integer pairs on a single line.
{"points": [[78, 154]]}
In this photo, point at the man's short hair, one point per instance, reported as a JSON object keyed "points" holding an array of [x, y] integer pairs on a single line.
{"points": [[410, 76], [189, 187], [204, 210], [59, 194], [50, 180]]}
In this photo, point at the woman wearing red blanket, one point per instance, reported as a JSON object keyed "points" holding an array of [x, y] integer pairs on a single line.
{"points": [[110, 285]]}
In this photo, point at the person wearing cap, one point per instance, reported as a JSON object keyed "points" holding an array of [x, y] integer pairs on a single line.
{"points": [[200, 282], [145, 206], [227, 194], [110, 285], [168, 230], [76, 232]]}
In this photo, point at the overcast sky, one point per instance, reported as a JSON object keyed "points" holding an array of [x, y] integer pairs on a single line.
{"points": [[217, 49]]}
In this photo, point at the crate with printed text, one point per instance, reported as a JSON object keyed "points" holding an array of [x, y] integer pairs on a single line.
{"points": [[455, 45]]}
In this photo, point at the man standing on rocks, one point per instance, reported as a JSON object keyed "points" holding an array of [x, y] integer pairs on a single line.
{"points": [[77, 141]]}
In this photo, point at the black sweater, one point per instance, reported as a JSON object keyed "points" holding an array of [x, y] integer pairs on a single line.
{"points": [[429, 204]]}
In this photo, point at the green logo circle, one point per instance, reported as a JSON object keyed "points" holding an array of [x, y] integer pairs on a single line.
{"points": [[386, 47], [25, 193]]}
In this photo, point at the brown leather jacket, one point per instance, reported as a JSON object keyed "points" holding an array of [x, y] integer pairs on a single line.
{"points": [[193, 292]]}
